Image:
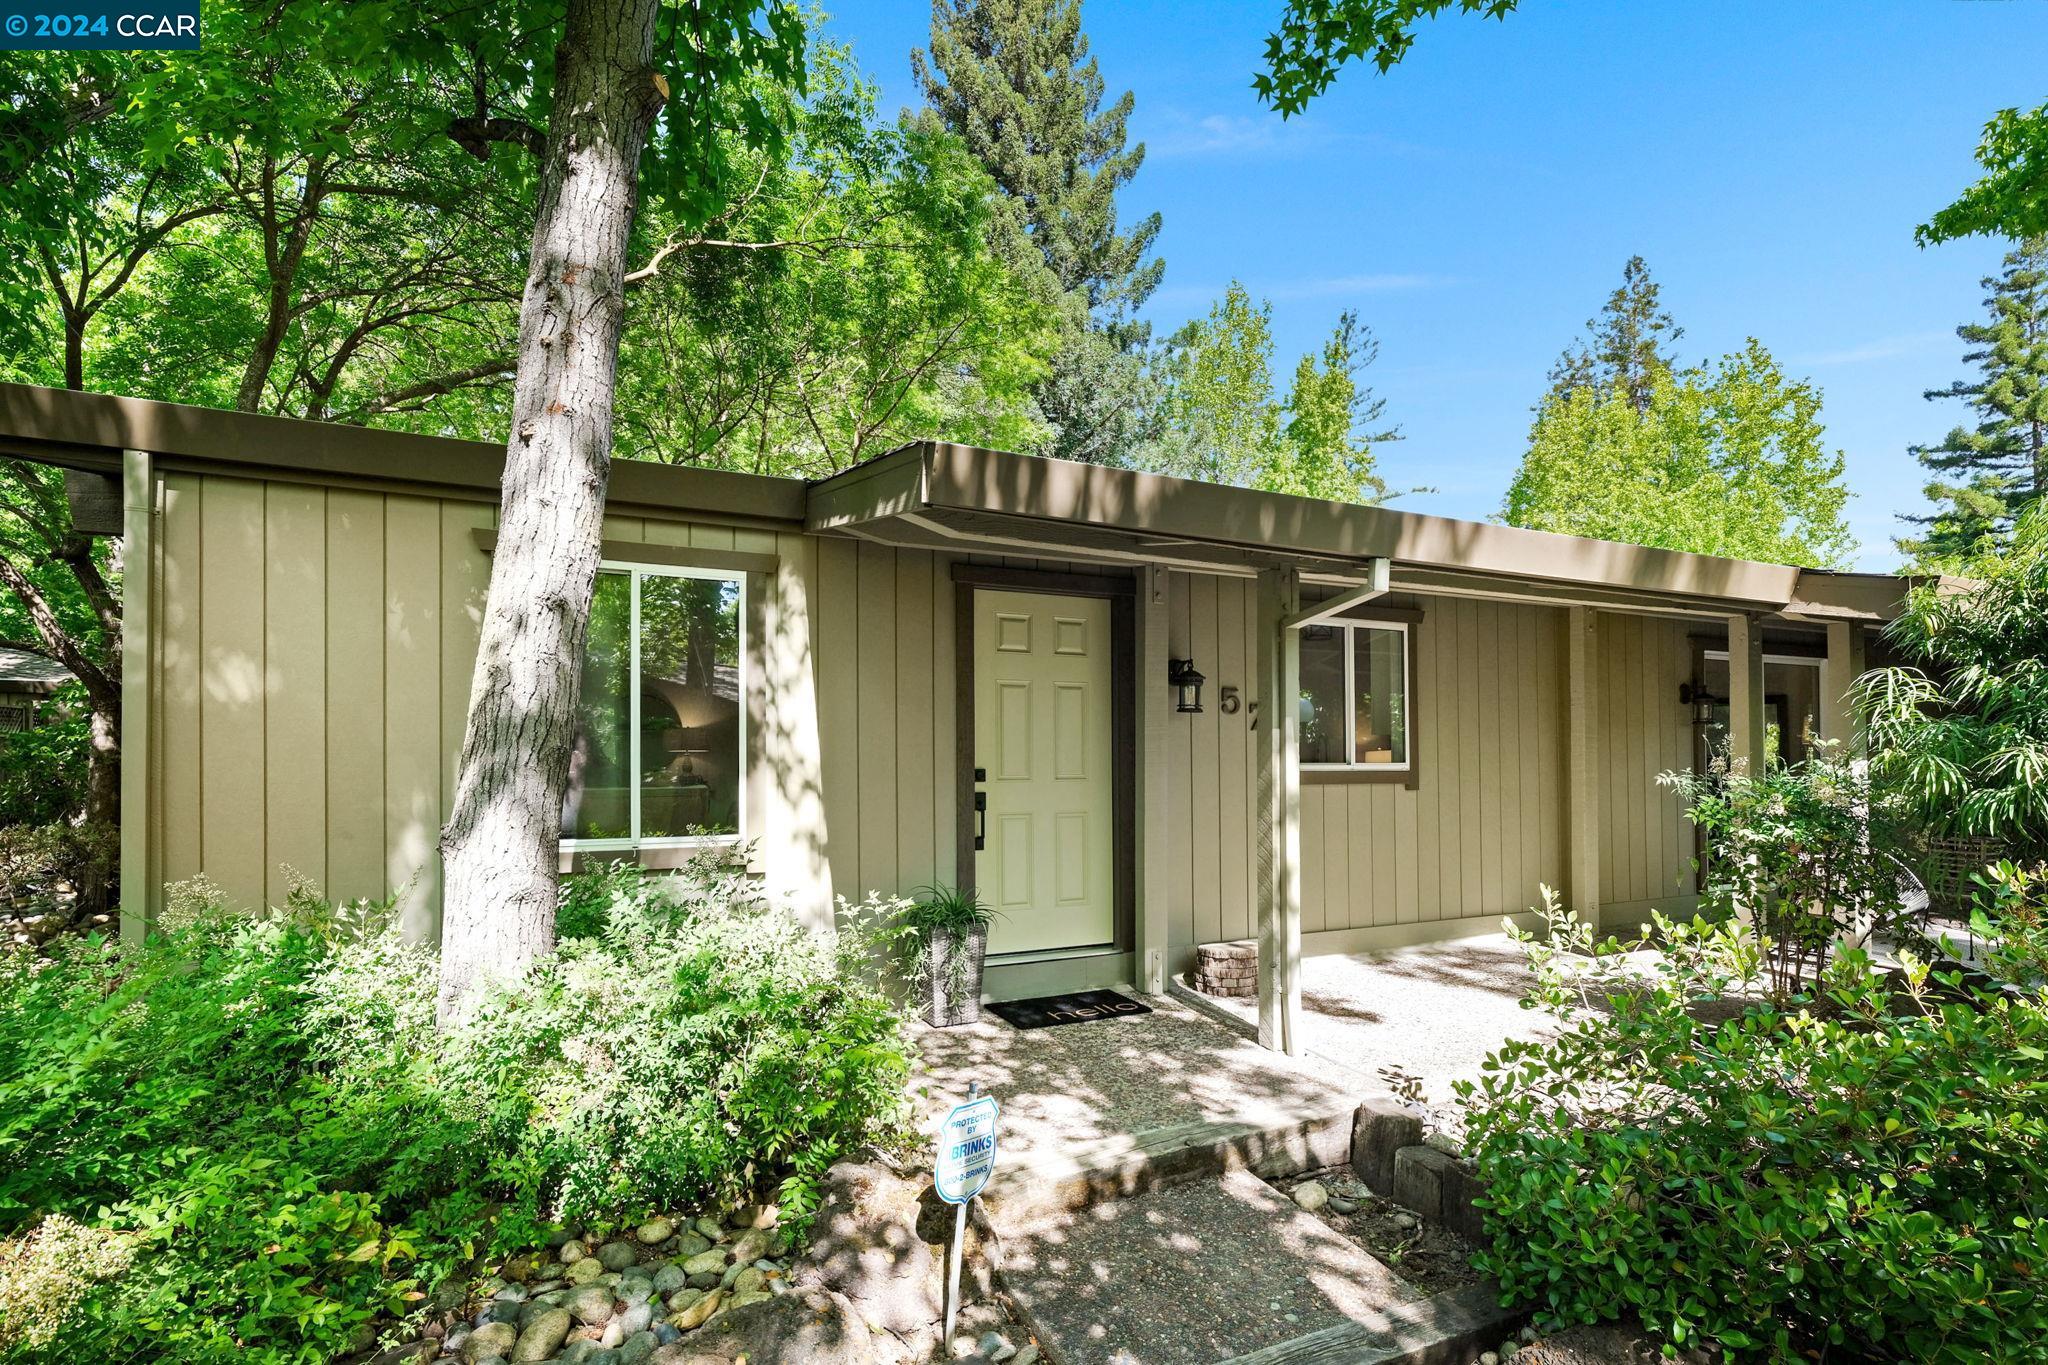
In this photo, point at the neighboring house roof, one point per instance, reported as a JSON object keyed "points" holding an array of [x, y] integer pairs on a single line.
{"points": [[958, 497], [21, 671]]}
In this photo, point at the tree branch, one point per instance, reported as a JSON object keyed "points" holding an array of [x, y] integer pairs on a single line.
{"points": [[479, 134]]}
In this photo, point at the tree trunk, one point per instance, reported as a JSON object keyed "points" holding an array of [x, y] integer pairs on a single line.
{"points": [[502, 841]]}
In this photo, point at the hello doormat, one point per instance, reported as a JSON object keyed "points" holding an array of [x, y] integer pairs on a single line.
{"points": [[1050, 1011]]}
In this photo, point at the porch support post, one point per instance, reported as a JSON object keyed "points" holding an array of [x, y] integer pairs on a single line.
{"points": [[1154, 852], [1583, 684], [1839, 671], [1746, 693], [138, 600], [1278, 819]]}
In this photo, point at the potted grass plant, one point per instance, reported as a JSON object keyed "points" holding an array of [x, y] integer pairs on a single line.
{"points": [[947, 929]]}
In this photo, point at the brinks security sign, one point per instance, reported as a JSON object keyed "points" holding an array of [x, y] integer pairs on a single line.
{"points": [[100, 25], [967, 1150]]}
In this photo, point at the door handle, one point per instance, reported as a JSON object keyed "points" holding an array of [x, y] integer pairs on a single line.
{"points": [[980, 821]]}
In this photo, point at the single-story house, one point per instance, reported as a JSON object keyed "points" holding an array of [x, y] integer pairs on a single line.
{"points": [[26, 682], [1135, 713]]}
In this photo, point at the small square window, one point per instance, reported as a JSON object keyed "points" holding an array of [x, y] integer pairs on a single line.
{"points": [[1354, 696]]}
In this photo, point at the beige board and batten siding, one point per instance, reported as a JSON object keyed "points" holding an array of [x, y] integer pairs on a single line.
{"points": [[1646, 843], [1485, 825], [311, 672]]}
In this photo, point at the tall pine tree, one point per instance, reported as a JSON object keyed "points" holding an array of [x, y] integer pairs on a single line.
{"points": [[1985, 475], [1014, 79], [1627, 346]]}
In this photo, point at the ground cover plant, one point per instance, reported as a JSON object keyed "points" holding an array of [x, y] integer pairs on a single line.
{"points": [[1855, 1172], [245, 1139]]}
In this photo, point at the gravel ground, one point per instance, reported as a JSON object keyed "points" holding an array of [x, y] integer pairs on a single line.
{"points": [[1426, 1016]]}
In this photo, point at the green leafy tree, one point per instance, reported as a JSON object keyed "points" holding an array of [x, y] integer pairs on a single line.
{"points": [[1328, 439], [1961, 727], [1723, 460], [1219, 421], [1986, 474], [1014, 80], [1218, 418], [848, 302], [1317, 38], [1627, 346], [2011, 198]]}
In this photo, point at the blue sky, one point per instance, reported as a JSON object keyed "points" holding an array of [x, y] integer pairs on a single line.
{"points": [[1475, 205]]}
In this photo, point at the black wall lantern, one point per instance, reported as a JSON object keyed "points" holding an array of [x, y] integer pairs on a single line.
{"points": [[1187, 686], [1701, 701]]}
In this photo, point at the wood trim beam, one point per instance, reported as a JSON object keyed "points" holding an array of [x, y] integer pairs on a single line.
{"points": [[138, 675], [1746, 705], [677, 556], [1840, 667], [1277, 828], [1378, 575]]}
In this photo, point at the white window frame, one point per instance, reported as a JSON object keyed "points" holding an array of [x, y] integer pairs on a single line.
{"points": [[636, 572], [1348, 625]]}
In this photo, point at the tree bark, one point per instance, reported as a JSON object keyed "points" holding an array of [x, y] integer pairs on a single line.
{"points": [[502, 841]]}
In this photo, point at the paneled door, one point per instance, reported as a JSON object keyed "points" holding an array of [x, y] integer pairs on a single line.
{"points": [[1044, 759]]}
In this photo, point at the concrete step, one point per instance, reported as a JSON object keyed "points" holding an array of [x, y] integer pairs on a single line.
{"points": [[1054, 1185], [1224, 1268]]}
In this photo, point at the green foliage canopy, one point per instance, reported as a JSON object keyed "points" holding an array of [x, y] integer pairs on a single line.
{"points": [[1317, 38], [1218, 417], [1988, 473], [2011, 198], [1961, 729], [1723, 460]]}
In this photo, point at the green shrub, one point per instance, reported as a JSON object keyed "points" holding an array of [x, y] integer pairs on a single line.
{"points": [[261, 1115], [1802, 849], [42, 768], [1860, 1176], [700, 1040]]}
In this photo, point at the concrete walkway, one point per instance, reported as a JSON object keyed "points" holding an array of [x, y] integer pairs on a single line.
{"points": [[1115, 1080], [1431, 1013]]}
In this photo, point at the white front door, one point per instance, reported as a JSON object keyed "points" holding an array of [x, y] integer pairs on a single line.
{"points": [[1044, 750]]}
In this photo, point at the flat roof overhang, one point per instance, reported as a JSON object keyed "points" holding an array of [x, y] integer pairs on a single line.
{"points": [[90, 430], [940, 495]]}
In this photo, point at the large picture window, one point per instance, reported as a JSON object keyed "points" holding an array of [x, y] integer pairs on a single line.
{"points": [[1354, 696], [661, 747]]}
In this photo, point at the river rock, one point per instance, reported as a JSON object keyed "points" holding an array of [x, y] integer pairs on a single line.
{"points": [[618, 1255], [542, 1337], [572, 1251], [710, 1262], [669, 1279], [1311, 1195], [697, 1313], [591, 1305], [655, 1231], [491, 1339]]}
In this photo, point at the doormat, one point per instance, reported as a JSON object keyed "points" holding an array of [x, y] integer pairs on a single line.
{"points": [[1050, 1011]]}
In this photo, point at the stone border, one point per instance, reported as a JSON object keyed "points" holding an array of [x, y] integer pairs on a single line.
{"points": [[1388, 1153]]}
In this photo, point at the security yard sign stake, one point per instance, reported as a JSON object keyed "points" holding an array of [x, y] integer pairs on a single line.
{"points": [[966, 1159]]}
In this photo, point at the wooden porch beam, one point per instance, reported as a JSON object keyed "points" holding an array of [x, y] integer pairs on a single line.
{"points": [[1840, 668], [1746, 693], [1379, 573], [1277, 833], [138, 596]]}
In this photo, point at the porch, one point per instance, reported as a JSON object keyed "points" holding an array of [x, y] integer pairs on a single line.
{"points": [[1486, 710]]}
